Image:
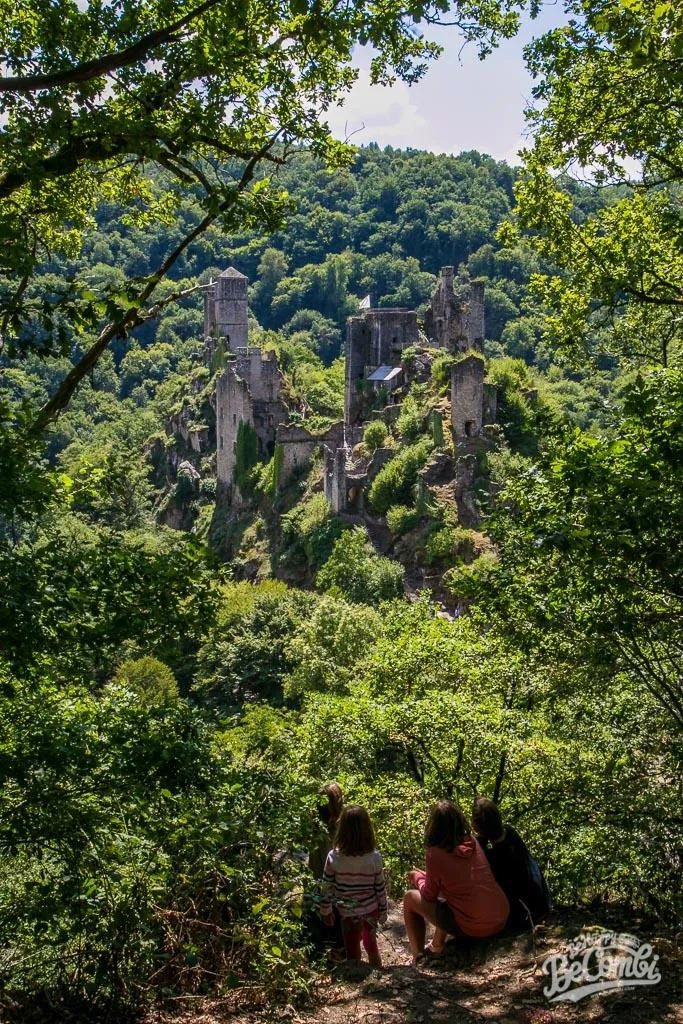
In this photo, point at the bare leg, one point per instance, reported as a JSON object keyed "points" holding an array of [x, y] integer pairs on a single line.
{"points": [[438, 940], [370, 945], [416, 911]]}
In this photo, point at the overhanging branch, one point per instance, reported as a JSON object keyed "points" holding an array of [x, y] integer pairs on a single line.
{"points": [[107, 63], [136, 314]]}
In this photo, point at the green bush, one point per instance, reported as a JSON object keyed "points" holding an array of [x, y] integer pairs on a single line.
{"points": [[375, 435], [447, 545], [127, 845], [523, 420], [411, 421], [401, 519], [468, 582], [441, 370], [394, 483], [244, 658], [310, 531], [151, 681], [357, 572]]}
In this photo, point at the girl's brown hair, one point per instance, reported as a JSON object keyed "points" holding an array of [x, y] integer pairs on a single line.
{"points": [[486, 818], [330, 803], [447, 826], [355, 834]]}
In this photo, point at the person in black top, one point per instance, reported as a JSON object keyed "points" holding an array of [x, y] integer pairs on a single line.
{"points": [[513, 867]]}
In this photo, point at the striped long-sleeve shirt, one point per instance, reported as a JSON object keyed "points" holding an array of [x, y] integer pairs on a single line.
{"points": [[354, 885]]}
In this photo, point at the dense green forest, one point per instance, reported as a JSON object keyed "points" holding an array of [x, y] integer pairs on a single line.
{"points": [[172, 699]]}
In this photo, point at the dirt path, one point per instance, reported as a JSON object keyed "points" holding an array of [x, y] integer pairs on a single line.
{"points": [[497, 982], [494, 983]]}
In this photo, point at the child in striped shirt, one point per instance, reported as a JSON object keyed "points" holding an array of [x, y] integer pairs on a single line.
{"points": [[353, 882]]}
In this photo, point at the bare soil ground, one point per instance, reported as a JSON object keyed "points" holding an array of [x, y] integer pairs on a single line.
{"points": [[497, 982]]}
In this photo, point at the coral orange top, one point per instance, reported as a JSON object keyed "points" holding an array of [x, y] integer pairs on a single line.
{"points": [[464, 879]]}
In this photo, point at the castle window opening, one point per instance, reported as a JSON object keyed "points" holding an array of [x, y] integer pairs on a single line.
{"points": [[469, 428]]}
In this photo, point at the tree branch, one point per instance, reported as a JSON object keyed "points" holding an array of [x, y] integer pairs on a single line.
{"points": [[109, 62], [133, 316]]}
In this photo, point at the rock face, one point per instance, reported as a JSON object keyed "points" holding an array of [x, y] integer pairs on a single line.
{"points": [[451, 324]]}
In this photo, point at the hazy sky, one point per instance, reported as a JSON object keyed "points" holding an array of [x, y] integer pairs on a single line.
{"points": [[461, 103]]}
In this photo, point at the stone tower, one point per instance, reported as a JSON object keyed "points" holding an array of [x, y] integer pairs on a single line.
{"points": [[450, 324], [467, 397], [225, 309]]}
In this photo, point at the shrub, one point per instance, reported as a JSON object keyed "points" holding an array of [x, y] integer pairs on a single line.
{"points": [[150, 680], [441, 370], [469, 582], [243, 659], [246, 456], [394, 482], [437, 428], [356, 571], [156, 846], [410, 422], [329, 645], [446, 545], [401, 519], [375, 435], [310, 531]]}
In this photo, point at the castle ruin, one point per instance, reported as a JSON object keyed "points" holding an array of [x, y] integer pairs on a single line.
{"points": [[375, 339], [375, 342], [249, 389], [454, 325]]}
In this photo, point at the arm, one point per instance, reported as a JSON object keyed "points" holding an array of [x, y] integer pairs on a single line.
{"points": [[328, 887], [428, 884], [381, 890]]}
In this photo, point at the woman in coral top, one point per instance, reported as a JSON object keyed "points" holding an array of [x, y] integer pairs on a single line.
{"points": [[456, 892]]}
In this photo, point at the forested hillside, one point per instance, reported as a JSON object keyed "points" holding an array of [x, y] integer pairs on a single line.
{"points": [[172, 699]]}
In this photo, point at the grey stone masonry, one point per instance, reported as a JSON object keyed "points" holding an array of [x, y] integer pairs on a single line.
{"points": [[298, 445], [225, 309], [247, 391], [467, 397], [375, 338], [454, 325]]}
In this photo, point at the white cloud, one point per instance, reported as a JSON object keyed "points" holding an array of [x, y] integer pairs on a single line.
{"points": [[387, 115]]}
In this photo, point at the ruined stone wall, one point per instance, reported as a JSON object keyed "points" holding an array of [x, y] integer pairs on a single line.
{"points": [[334, 478], [298, 445], [375, 338], [451, 324], [248, 391], [233, 406], [467, 397]]}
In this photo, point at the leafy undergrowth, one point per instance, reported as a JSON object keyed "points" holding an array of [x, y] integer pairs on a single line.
{"points": [[499, 982]]}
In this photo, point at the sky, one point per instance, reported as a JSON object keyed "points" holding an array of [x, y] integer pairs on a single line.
{"points": [[462, 103]]}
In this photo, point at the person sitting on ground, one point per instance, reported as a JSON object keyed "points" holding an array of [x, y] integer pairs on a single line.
{"points": [[456, 892], [513, 867], [354, 883]]}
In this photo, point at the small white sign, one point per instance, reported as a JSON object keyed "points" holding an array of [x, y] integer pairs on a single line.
{"points": [[599, 962]]}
